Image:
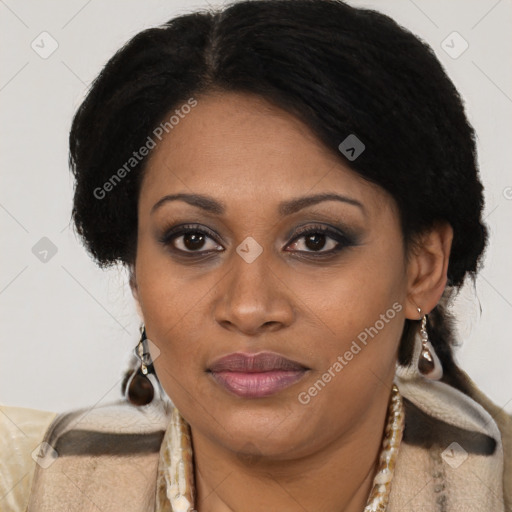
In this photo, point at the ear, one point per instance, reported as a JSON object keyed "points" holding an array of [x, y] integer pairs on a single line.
{"points": [[133, 283], [134, 288], [427, 270]]}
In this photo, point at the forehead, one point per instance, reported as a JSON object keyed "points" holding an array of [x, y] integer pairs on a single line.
{"points": [[242, 146]]}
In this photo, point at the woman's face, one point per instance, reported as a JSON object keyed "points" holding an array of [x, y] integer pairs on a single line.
{"points": [[239, 276]]}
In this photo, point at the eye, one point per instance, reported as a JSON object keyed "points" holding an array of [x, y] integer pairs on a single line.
{"points": [[320, 239], [190, 238], [195, 240]]}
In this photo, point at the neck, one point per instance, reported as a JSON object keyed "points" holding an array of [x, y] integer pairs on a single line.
{"points": [[339, 477]]}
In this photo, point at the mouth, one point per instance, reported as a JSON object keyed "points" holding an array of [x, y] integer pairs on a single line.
{"points": [[256, 375]]}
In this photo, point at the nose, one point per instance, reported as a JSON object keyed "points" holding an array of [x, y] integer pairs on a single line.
{"points": [[253, 299]]}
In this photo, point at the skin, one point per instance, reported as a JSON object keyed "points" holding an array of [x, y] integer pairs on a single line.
{"points": [[275, 453]]}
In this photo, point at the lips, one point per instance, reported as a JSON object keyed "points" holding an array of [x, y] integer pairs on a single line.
{"points": [[256, 375]]}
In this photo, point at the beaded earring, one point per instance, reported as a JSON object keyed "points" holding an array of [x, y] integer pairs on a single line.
{"points": [[429, 364], [139, 388]]}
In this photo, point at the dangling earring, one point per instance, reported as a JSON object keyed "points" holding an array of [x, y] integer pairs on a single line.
{"points": [[139, 388], [428, 364]]}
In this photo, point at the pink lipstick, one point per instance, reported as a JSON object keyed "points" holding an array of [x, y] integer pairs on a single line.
{"points": [[256, 375]]}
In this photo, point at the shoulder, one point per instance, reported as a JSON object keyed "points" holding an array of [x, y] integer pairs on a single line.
{"points": [[504, 424], [21, 433], [459, 443], [110, 452], [114, 428]]}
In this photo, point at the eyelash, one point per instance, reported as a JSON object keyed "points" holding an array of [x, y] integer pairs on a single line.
{"points": [[343, 240]]}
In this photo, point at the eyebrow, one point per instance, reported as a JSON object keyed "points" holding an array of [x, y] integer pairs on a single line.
{"points": [[288, 207]]}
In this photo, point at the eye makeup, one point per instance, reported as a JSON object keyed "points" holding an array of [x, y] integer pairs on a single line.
{"points": [[312, 232]]}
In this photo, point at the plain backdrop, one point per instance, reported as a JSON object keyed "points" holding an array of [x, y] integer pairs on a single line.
{"points": [[67, 327]]}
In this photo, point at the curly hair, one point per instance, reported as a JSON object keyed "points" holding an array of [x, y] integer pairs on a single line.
{"points": [[341, 70]]}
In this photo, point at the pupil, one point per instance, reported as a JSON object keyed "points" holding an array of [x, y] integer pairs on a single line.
{"points": [[315, 241], [193, 240]]}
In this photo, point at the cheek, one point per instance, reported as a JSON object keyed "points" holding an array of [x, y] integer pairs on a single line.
{"points": [[353, 296], [164, 303], [166, 290], [360, 310]]}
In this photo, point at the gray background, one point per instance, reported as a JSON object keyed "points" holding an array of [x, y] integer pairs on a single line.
{"points": [[67, 327]]}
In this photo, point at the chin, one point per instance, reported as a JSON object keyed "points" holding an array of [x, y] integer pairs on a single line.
{"points": [[272, 427]]}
